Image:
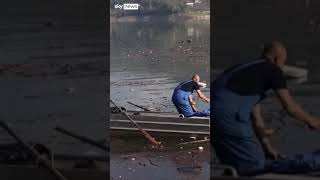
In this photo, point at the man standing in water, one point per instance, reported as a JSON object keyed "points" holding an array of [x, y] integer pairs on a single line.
{"points": [[239, 136], [182, 97]]}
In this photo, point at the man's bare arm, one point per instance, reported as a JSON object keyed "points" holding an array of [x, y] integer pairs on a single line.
{"points": [[262, 133], [202, 96], [192, 103], [191, 100], [295, 111]]}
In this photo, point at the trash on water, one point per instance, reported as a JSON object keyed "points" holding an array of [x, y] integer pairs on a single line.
{"points": [[133, 159], [132, 170], [69, 90], [192, 137], [200, 148], [152, 163], [142, 164]]}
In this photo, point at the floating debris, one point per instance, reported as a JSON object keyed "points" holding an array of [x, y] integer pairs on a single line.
{"points": [[132, 170], [152, 163], [142, 164], [69, 90], [192, 137]]}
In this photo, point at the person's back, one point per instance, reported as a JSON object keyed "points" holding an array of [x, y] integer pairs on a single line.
{"points": [[238, 135], [182, 97], [234, 140]]}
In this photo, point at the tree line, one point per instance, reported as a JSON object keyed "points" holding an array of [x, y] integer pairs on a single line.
{"points": [[149, 7]]}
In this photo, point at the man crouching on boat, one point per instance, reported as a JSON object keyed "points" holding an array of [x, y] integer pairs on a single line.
{"points": [[239, 136], [182, 97]]}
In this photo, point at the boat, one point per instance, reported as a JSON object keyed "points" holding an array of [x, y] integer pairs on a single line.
{"points": [[30, 160], [223, 172], [22, 165], [168, 123], [18, 172], [270, 177]]}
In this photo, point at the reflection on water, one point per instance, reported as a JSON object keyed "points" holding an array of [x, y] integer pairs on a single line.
{"points": [[148, 59]]}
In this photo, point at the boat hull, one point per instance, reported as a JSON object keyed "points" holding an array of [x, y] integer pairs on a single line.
{"points": [[169, 123]]}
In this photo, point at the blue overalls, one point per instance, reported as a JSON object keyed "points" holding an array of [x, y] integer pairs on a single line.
{"points": [[180, 99], [235, 141]]}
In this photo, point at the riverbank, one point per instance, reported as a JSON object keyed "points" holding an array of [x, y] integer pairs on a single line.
{"points": [[192, 15]]}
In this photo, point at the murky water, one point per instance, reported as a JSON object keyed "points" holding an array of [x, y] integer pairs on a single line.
{"points": [[148, 60], [34, 101]]}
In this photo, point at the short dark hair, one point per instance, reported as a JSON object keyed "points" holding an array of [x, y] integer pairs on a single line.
{"points": [[194, 75]]}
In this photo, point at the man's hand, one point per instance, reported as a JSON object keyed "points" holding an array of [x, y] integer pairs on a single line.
{"points": [[268, 132], [272, 154], [202, 96], [314, 124], [263, 133], [295, 111]]}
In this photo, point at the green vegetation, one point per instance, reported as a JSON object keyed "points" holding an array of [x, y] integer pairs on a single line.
{"points": [[149, 7]]}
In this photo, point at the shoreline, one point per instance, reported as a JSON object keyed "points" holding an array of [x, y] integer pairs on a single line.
{"points": [[194, 16]]}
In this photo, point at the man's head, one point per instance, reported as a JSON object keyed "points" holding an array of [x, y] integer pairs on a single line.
{"points": [[196, 78], [275, 53]]}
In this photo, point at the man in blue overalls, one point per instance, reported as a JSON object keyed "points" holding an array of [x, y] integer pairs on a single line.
{"points": [[238, 134], [182, 97]]}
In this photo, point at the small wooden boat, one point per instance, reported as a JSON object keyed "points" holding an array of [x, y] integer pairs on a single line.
{"points": [[18, 172], [270, 177], [159, 122], [16, 164], [222, 172]]}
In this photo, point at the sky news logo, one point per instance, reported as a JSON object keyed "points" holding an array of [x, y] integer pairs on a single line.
{"points": [[127, 6]]}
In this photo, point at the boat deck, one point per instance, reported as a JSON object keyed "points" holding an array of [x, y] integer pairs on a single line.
{"points": [[169, 123]]}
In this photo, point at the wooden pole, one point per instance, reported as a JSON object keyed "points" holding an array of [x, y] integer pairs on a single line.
{"points": [[82, 138], [193, 142], [143, 108], [147, 135], [47, 164]]}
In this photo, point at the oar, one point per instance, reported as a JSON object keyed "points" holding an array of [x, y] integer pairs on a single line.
{"points": [[145, 112], [147, 135], [82, 138], [47, 164], [193, 142], [143, 108]]}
